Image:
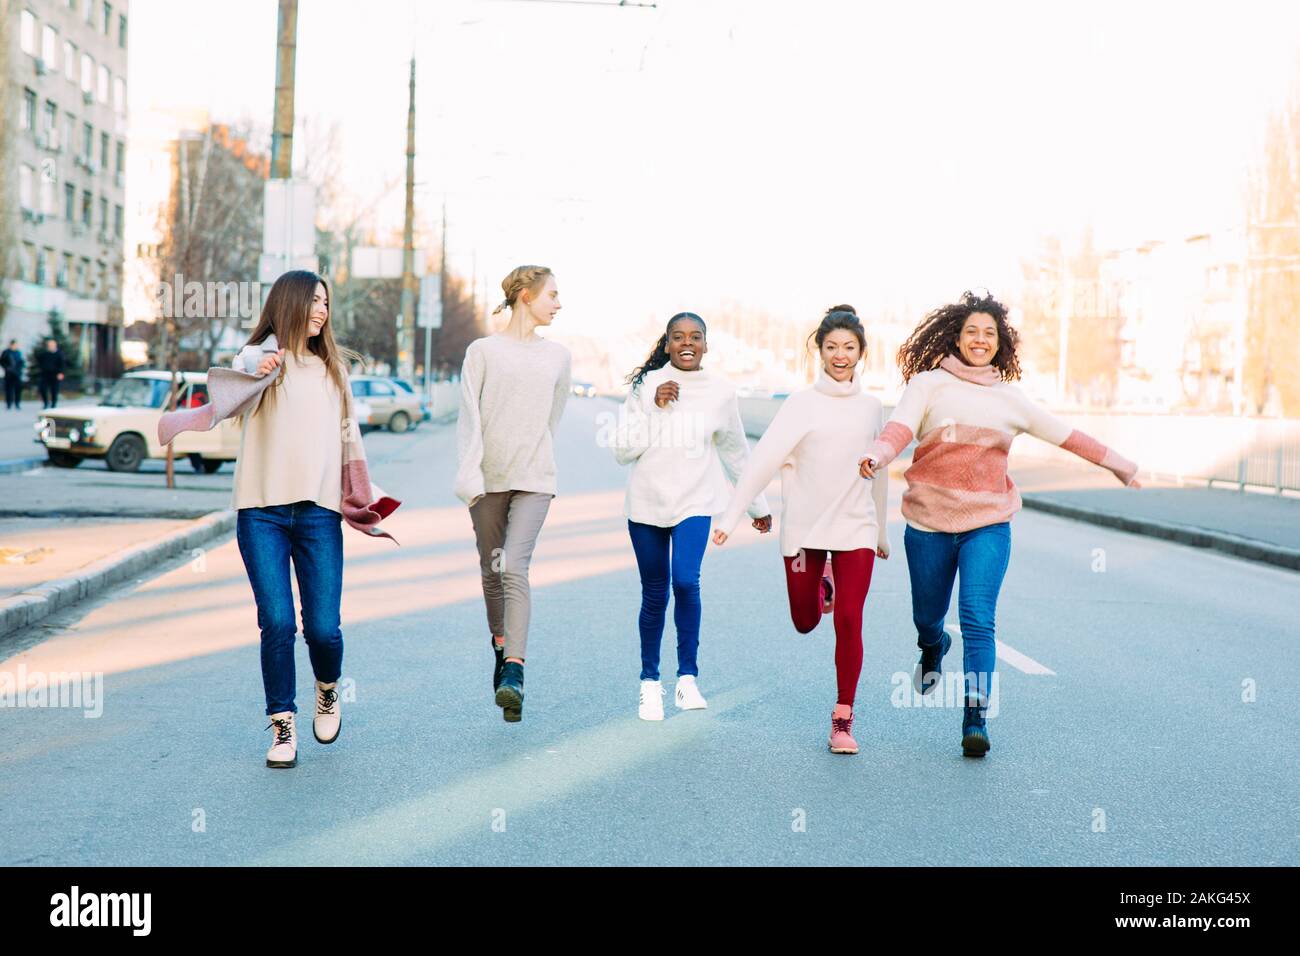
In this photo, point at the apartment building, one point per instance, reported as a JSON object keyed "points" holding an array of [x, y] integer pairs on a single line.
{"points": [[67, 88]]}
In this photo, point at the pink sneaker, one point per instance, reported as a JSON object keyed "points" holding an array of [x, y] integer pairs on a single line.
{"points": [[842, 741], [828, 589]]}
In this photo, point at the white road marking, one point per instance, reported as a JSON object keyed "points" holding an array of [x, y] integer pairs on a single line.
{"points": [[1008, 654]]}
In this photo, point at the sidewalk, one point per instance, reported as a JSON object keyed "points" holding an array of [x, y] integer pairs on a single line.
{"points": [[1255, 525], [34, 551]]}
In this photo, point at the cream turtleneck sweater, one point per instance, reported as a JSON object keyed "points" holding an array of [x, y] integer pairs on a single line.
{"points": [[678, 454], [815, 441]]}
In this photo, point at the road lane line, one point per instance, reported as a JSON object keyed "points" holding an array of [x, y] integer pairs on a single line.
{"points": [[1008, 654]]}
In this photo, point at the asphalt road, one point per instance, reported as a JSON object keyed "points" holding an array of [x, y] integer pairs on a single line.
{"points": [[1147, 710]]}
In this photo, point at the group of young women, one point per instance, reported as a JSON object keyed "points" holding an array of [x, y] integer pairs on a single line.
{"points": [[680, 431]]}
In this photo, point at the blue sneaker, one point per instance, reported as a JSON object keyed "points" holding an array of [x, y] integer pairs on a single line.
{"points": [[929, 669], [974, 733]]}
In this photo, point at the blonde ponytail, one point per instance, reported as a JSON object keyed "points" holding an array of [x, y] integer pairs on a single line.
{"points": [[531, 278]]}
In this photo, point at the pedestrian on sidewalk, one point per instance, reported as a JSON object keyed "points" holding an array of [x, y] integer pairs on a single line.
{"points": [[50, 366], [514, 385], [301, 471], [680, 430], [13, 363], [827, 513], [959, 403]]}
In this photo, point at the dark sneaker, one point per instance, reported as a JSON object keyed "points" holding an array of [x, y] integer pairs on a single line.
{"points": [[499, 652], [974, 733], [510, 692], [929, 669]]}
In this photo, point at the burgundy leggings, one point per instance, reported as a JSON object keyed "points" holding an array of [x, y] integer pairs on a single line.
{"points": [[852, 581]]}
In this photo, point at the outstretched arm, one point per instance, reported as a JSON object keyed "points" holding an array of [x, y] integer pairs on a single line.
{"points": [[901, 427], [1041, 423], [733, 450], [780, 439]]}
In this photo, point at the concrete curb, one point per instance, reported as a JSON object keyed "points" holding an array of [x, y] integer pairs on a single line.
{"points": [[1232, 544], [26, 608], [14, 465]]}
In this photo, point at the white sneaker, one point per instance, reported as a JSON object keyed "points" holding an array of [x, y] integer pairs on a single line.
{"points": [[329, 717], [688, 694], [284, 741], [652, 700]]}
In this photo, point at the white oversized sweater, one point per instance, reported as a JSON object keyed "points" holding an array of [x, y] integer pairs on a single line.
{"points": [[512, 394], [815, 441], [679, 453]]}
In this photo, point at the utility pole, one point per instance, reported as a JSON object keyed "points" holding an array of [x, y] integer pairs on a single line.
{"points": [[406, 337], [285, 59]]}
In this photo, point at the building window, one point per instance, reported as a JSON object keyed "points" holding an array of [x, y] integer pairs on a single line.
{"points": [[119, 223], [70, 61], [87, 206], [119, 95], [87, 143], [29, 32], [101, 279], [29, 110], [103, 151], [47, 195], [103, 214], [90, 12], [101, 88], [121, 31], [50, 121], [120, 157], [40, 276], [68, 140], [50, 47], [69, 202], [29, 262], [108, 18], [65, 267], [27, 186], [83, 269], [87, 73]]}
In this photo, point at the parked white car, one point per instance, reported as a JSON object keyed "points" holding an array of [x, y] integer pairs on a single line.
{"points": [[122, 428]]}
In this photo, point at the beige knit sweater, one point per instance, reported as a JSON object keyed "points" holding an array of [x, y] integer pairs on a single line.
{"points": [[512, 394], [291, 449]]}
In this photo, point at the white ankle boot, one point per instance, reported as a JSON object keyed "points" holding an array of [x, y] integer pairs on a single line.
{"points": [[329, 717], [284, 741]]}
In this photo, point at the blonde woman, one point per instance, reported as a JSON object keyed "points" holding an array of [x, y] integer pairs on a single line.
{"points": [[301, 472], [514, 386]]}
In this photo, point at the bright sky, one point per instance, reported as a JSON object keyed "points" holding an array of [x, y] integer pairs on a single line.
{"points": [[786, 155]]}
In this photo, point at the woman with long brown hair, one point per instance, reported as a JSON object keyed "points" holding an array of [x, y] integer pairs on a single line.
{"points": [[301, 472], [961, 407]]}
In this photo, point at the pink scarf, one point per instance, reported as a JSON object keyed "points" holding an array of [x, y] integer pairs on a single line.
{"points": [[232, 393], [976, 374]]}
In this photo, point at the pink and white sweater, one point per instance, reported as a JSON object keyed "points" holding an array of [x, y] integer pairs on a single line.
{"points": [[965, 418]]}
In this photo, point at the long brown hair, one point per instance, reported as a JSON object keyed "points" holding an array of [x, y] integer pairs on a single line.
{"points": [[286, 315], [939, 331]]}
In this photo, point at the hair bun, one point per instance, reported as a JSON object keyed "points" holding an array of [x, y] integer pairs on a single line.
{"points": [[842, 308]]}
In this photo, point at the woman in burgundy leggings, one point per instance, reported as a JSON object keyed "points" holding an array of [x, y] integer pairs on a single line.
{"points": [[826, 508]]}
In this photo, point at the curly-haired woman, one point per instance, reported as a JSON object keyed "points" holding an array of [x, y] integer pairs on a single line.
{"points": [[959, 404]]}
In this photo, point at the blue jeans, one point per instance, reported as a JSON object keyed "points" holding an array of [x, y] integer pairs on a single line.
{"points": [[313, 537], [979, 557], [662, 554]]}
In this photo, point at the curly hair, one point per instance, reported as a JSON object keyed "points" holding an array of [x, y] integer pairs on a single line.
{"points": [[658, 357], [939, 331]]}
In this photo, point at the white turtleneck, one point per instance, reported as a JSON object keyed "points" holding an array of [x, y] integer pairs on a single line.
{"points": [[678, 454], [815, 441]]}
